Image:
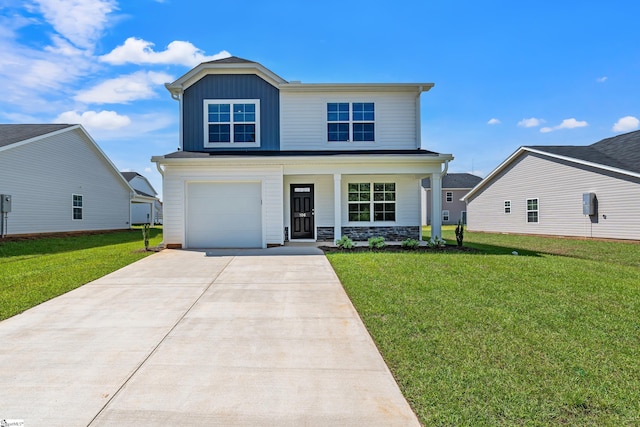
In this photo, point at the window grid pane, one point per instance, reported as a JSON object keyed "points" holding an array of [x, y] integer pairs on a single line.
{"points": [[244, 133], [338, 131], [219, 133]]}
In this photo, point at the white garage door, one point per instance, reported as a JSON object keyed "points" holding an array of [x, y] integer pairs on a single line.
{"points": [[224, 215]]}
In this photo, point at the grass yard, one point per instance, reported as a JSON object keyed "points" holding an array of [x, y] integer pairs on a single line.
{"points": [[34, 271], [548, 337]]}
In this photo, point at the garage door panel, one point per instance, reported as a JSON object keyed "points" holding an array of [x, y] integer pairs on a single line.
{"points": [[224, 215]]}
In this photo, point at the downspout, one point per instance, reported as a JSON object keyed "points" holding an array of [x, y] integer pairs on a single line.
{"points": [[446, 168], [176, 94]]}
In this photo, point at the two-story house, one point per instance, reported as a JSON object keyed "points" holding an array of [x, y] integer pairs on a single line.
{"points": [[263, 161], [454, 187]]}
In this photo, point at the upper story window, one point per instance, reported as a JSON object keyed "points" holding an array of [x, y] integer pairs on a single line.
{"points": [[350, 121], [235, 121], [449, 196]]}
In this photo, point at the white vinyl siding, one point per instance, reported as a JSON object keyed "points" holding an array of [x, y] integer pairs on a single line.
{"points": [[559, 186], [42, 176], [177, 178], [303, 120]]}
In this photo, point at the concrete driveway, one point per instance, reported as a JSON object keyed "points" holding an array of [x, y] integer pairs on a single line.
{"points": [[200, 338]]}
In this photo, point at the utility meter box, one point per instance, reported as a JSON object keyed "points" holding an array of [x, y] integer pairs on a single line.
{"points": [[5, 203], [589, 204]]}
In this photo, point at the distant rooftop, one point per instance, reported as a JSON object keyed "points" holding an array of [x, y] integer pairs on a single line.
{"points": [[455, 180]]}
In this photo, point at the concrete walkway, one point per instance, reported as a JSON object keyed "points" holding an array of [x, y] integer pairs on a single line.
{"points": [[194, 338]]}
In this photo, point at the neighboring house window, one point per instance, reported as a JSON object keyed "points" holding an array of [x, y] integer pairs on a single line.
{"points": [[507, 206], [350, 122], [77, 206], [449, 196], [382, 204], [532, 210], [232, 122], [445, 215]]}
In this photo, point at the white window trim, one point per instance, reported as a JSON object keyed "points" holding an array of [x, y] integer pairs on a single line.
{"points": [[76, 207], [351, 122], [445, 212], [205, 111], [446, 196], [371, 202], [537, 210], [504, 207]]}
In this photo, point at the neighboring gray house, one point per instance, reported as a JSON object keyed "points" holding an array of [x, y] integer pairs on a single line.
{"points": [[145, 206], [587, 191], [454, 187], [59, 180]]}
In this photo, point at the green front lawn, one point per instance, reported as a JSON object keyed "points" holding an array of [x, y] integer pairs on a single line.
{"points": [[34, 271], [548, 337]]}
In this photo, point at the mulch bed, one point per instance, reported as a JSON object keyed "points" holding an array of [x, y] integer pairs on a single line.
{"points": [[399, 248]]}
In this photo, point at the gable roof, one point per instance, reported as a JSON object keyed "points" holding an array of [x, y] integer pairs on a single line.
{"points": [[129, 176], [236, 65], [455, 180], [620, 154], [12, 133]]}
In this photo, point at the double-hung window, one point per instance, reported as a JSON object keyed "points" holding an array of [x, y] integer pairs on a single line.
{"points": [[449, 196], [76, 206], [372, 201], [532, 210], [507, 206], [350, 121], [234, 121]]}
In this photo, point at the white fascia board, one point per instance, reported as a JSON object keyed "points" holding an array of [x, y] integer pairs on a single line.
{"points": [[39, 137], [522, 150], [584, 162], [357, 87], [421, 166], [493, 173], [202, 70], [104, 157]]}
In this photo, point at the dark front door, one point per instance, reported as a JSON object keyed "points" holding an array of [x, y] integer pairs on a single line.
{"points": [[302, 226]]}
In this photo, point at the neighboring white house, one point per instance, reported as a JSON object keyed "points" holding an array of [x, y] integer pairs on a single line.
{"points": [[454, 187], [145, 206], [587, 191], [59, 180], [263, 161]]}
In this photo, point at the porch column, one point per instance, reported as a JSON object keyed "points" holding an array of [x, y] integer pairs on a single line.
{"points": [[436, 205], [337, 208]]}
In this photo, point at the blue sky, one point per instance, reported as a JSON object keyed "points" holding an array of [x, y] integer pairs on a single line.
{"points": [[506, 73]]}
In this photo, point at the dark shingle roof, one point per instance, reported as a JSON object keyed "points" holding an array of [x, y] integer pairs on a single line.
{"points": [[129, 175], [621, 152], [230, 60], [10, 134], [455, 180]]}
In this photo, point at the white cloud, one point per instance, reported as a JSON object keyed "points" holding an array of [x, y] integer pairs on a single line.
{"points": [[92, 120], [494, 121], [132, 87], [601, 79], [530, 123], [79, 21], [566, 124], [626, 124], [138, 51]]}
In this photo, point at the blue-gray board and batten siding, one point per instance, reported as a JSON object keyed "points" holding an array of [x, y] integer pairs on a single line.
{"points": [[238, 86]]}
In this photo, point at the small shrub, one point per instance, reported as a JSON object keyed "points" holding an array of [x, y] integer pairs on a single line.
{"points": [[459, 233], [345, 243], [376, 243], [410, 244], [436, 242]]}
